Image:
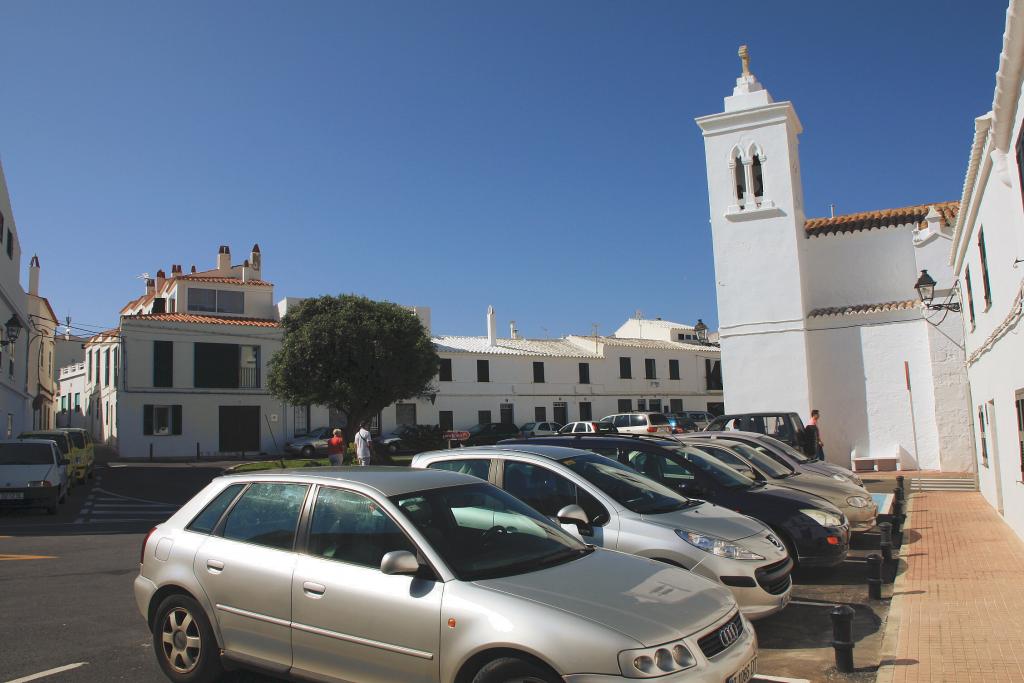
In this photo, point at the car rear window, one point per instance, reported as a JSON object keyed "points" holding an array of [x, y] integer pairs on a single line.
{"points": [[206, 521], [25, 454], [62, 439], [77, 438], [657, 419]]}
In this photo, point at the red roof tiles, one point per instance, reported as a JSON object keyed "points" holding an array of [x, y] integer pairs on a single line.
{"points": [[865, 309], [224, 280], [884, 218], [204, 319]]}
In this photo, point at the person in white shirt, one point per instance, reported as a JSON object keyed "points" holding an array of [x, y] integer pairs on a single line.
{"points": [[364, 450]]}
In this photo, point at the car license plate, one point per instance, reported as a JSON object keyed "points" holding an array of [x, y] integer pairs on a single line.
{"points": [[744, 674], [12, 496]]}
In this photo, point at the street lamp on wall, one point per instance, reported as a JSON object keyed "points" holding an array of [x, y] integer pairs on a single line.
{"points": [[12, 328], [701, 330], [925, 287]]}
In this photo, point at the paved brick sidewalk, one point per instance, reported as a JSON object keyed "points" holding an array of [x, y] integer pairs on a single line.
{"points": [[958, 610]]}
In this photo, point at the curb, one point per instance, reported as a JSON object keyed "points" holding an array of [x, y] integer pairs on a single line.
{"points": [[890, 639]]}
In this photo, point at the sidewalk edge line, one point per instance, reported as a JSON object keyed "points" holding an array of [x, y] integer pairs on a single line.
{"points": [[890, 639]]}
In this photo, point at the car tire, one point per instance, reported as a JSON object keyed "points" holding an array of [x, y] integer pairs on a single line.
{"points": [[193, 656], [308, 452], [514, 670]]}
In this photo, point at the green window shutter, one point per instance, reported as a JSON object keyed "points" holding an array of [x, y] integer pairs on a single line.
{"points": [[176, 419], [147, 420]]}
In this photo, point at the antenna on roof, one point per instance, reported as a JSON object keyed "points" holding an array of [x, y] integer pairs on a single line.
{"points": [[67, 328], [832, 210], [638, 314], [593, 329], [143, 276]]}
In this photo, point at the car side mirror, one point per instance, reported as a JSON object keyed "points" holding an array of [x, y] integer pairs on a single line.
{"points": [[573, 514], [748, 473], [399, 562]]}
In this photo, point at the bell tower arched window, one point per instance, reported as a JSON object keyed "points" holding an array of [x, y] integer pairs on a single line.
{"points": [[757, 178], [741, 178]]}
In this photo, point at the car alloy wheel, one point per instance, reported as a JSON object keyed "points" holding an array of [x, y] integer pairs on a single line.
{"points": [[308, 452], [182, 641]]}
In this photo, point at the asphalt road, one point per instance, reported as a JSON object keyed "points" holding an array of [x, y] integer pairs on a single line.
{"points": [[66, 595]]}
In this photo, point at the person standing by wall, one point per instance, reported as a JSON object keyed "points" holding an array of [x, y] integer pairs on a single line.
{"points": [[336, 448], [364, 449], [813, 446]]}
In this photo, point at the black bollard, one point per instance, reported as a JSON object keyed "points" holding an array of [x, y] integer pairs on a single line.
{"points": [[899, 482], [898, 494], [842, 637], [150, 451], [875, 576], [885, 529]]}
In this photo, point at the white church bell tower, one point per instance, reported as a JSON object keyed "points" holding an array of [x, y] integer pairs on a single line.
{"points": [[757, 224]]}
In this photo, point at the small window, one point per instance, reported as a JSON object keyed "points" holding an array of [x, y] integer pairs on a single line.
{"points": [[625, 405], [970, 294], [625, 368], [163, 363], [673, 368], [982, 437], [584, 373], [641, 404], [650, 368], [444, 370], [984, 269], [756, 177], [446, 420], [540, 413], [206, 521], [106, 367], [741, 179], [476, 467], [216, 301], [10, 244], [161, 420], [586, 411], [483, 371], [300, 419], [349, 527], [483, 416], [538, 372], [266, 514]]}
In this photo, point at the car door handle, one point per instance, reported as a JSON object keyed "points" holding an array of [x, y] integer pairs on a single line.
{"points": [[314, 590], [214, 566]]}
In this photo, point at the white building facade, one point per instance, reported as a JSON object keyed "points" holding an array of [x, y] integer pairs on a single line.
{"points": [[822, 313], [488, 378], [986, 255], [68, 403], [15, 400]]}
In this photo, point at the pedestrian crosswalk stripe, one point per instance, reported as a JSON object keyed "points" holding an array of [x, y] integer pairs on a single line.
{"points": [[104, 507]]}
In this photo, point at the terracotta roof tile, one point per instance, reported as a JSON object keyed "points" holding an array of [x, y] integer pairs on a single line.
{"points": [[105, 336], [204, 319], [884, 218], [864, 309], [224, 280]]}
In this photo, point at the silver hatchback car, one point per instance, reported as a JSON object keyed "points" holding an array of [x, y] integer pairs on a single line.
{"points": [[387, 575], [605, 503]]}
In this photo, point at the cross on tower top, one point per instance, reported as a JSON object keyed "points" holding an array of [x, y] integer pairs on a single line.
{"points": [[744, 54]]}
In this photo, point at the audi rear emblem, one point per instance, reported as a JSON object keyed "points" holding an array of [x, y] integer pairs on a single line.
{"points": [[729, 634]]}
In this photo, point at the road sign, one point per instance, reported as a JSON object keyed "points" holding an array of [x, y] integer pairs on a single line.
{"points": [[455, 436]]}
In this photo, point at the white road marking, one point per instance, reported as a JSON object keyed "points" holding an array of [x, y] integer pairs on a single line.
{"points": [[780, 679], [48, 672]]}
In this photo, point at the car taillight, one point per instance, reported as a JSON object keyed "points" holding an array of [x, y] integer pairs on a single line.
{"points": [[145, 542], [593, 426], [652, 429]]}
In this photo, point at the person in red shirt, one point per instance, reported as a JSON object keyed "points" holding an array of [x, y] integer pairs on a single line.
{"points": [[336, 448]]}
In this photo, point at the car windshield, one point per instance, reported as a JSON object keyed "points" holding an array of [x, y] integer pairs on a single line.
{"points": [[78, 439], [60, 438], [476, 429], [25, 454], [481, 532], [765, 463], [709, 465], [785, 448], [528, 426], [629, 488], [657, 419]]}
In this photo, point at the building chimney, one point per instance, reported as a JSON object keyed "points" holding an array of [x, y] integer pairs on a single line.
{"points": [[246, 271], [513, 333], [175, 270], [161, 277], [256, 259], [150, 286], [33, 276], [492, 327], [224, 258], [193, 268]]}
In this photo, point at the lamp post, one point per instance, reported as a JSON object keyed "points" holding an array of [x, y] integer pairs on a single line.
{"points": [[701, 330], [925, 287]]}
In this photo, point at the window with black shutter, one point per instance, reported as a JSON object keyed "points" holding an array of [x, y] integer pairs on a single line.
{"points": [[446, 420], [713, 374], [625, 405], [650, 368], [675, 405], [625, 368], [584, 373], [106, 367], [159, 305], [538, 372], [483, 371], [163, 363], [540, 413], [586, 411], [161, 420], [984, 269], [673, 368], [216, 366], [444, 370], [483, 416], [970, 294]]}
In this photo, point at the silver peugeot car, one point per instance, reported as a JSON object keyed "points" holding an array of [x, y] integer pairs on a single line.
{"points": [[387, 575], [605, 503]]}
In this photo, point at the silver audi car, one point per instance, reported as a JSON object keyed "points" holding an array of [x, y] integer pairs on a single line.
{"points": [[605, 503], [388, 575]]}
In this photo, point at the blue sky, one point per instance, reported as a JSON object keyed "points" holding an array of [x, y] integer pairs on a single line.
{"points": [[537, 156]]}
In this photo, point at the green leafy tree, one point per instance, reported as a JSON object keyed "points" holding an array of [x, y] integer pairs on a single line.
{"points": [[354, 355]]}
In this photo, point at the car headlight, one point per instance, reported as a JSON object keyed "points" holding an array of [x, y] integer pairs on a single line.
{"points": [[857, 501], [651, 662], [823, 517], [717, 546], [39, 484]]}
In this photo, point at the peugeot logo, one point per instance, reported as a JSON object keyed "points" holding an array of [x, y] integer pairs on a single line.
{"points": [[729, 634], [774, 541]]}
